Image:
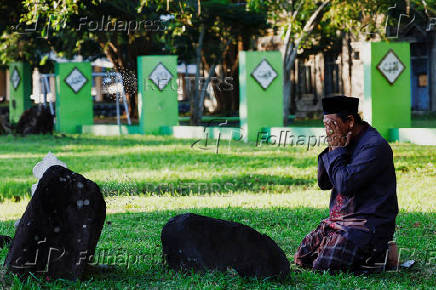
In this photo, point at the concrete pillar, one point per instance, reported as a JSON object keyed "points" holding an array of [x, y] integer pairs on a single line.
{"points": [[157, 92], [52, 96], [20, 89], [36, 87], [98, 85], [260, 91], [387, 102], [73, 96]]}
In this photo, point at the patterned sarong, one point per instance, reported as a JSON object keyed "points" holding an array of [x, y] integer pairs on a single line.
{"points": [[330, 249]]}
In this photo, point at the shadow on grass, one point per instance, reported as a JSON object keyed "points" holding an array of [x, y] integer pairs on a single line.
{"points": [[138, 235]]}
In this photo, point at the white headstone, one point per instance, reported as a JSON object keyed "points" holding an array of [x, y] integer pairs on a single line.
{"points": [[38, 171], [48, 161]]}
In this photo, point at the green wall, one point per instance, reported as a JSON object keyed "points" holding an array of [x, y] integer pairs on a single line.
{"points": [[386, 105], [73, 109], [259, 107], [20, 96], [157, 107]]}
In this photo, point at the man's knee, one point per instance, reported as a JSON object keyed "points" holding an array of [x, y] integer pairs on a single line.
{"points": [[337, 254], [303, 260], [306, 252], [333, 264]]}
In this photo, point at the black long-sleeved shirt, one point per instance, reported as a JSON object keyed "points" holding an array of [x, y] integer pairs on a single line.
{"points": [[363, 182]]}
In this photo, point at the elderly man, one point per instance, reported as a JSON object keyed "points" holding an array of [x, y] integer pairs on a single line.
{"points": [[358, 167]]}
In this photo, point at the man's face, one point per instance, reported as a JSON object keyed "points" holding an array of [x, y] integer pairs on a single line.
{"points": [[334, 125]]}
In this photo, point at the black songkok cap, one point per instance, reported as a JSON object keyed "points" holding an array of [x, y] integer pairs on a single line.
{"points": [[340, 104]]}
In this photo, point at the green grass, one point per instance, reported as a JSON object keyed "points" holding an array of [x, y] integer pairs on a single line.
{"points": [[147, 180]]}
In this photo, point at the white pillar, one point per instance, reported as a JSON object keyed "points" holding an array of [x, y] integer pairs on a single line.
{"points": [[36, 87], [98, 89]]}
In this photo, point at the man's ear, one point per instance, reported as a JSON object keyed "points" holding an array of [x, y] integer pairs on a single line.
{"points": [[352, 122]]}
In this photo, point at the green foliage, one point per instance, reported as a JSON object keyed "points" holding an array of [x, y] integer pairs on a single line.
{"points": [[14, 44], [57, 25], [118, 29], [364, 18], [223, 22], [69, 28]]}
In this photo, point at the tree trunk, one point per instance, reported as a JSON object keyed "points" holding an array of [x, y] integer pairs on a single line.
{"points": [[286, 96], [195, 106], [203, 91], [200, 88], [291, 54], [293, 98], [227, 89], [226, 93]]}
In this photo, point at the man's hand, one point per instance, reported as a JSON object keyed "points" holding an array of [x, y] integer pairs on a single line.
{"points": [[337, 134]]}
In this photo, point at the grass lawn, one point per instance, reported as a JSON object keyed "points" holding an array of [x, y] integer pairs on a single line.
{"points": [[147, 180]]}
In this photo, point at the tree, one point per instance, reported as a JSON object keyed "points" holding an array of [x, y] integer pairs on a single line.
{"points": [[207, 34], [14, 43], [298, 20]]}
